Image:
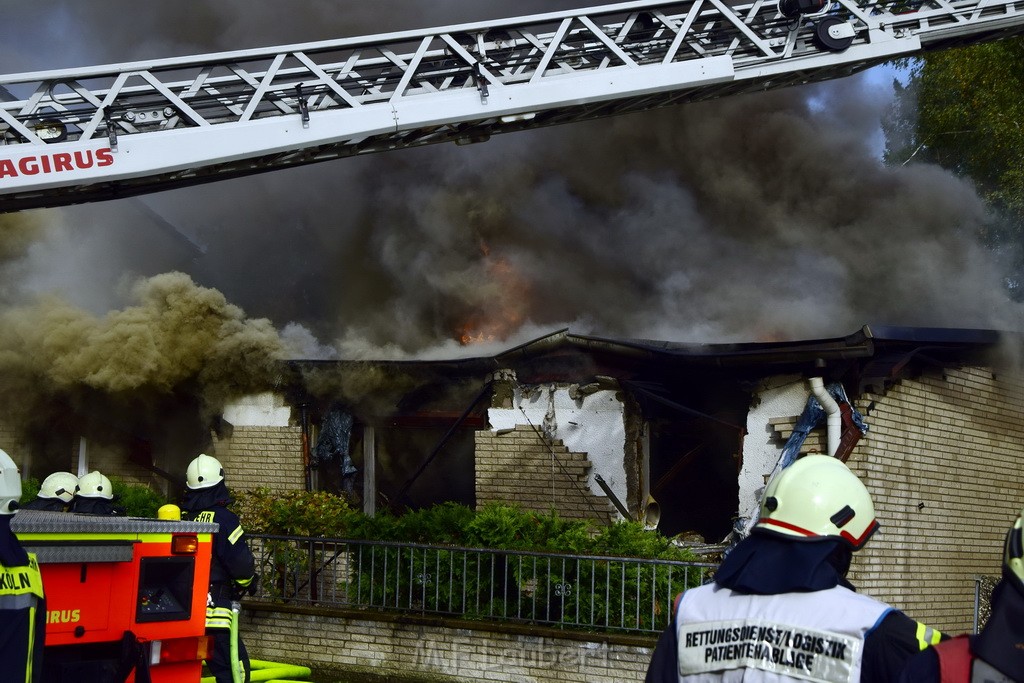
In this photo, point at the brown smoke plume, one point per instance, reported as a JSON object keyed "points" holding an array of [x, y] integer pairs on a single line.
{"points": [[178, 337]]}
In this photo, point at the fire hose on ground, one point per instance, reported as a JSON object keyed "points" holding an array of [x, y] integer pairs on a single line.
{"points": [[273, 672]]}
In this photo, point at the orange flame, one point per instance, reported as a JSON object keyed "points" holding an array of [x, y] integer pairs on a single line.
{"points": [[503, 316]]}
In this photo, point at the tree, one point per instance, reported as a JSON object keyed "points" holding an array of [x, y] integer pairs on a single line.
{"points": [[964, 110]]}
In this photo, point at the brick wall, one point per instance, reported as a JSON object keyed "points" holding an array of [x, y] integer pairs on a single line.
{"points": [[115, 464], [255, 457], [519, 466], [944, 460], [402, 648]]}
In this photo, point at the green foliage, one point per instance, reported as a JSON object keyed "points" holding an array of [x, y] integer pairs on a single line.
{"points": [[297, 513], [962, 109], [137, 500], [29, 490], [540, 577], [630, 539]]}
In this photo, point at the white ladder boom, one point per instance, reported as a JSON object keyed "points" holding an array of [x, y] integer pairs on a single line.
{"points": [[111, 131]]}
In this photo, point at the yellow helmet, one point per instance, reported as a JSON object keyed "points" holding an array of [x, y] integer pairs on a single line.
{"points": [[203, 472], [818, 497], [1013, 554], [59, 485]]}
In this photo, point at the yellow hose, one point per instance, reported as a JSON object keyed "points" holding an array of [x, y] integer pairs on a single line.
{"points": [[272, 672]]}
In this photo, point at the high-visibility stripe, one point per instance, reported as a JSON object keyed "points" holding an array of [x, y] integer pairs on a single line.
{"points": [[235, 535], [134, 537], [18, 602], [31, 643], [926, 635], [244, 582], [218, 617]]}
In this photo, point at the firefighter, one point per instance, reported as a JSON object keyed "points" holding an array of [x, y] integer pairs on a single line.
{"points": [[55, 493], [22, 605], [94, 495], [232, 569], [780, 608], [997, 653]]}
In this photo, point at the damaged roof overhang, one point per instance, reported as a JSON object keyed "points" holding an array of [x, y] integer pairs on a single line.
{"points": [[863, 343], [878, 356]]}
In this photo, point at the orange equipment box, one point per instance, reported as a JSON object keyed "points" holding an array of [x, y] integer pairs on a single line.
{"points": [[122, 594]]}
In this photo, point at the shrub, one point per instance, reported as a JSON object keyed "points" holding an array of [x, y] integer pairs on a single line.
{"points": [[296, 513], [137, 500], [29, 489]]}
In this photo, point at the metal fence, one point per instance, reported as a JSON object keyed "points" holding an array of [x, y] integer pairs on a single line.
{"points": [[584, 592]]}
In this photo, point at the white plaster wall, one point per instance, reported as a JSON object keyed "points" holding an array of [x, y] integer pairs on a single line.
{"points": [[258, 410], [593, 424], [782, 397]]}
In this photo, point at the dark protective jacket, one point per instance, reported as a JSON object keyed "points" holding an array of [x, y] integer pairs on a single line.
{"points": [[22, 610], [999, 645], [233, 566], [46, 504], [86, 505], [764, 564]]}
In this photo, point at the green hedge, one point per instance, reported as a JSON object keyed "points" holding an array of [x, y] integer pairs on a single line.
{"points": [[502, 526], [491, 586], [137, 500]]}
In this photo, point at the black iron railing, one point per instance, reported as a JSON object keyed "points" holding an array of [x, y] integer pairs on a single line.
{"points": [[585, 592]]}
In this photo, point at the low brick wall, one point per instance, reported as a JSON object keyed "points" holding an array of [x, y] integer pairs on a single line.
{"points": [[426, 649]]}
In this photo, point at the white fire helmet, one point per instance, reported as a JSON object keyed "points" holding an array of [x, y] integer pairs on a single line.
{"points": [[59, 485], [95, 485], [203, 472], [818, 497], [10, 485], [1013, 555]]}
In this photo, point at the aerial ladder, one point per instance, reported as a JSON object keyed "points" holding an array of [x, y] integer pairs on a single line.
{"points": [[103, 132]]}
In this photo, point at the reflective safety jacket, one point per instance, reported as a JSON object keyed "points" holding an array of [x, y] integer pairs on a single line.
{"points": [[232, 568], [22, 622], [779, 608], [718, 634], [728, 636]]}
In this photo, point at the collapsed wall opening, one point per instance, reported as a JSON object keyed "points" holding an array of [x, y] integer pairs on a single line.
{"points": [[695, 446]]}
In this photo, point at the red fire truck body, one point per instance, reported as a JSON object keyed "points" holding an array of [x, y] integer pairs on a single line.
{"points": [[122, 593]]}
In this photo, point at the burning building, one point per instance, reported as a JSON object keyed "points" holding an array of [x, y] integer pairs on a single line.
{"points": [[741, 225]]}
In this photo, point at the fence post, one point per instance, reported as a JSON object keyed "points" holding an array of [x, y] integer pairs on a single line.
{"points": [[314, 592]]}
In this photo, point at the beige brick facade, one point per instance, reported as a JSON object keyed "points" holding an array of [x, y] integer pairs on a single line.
{"points": [[421, 649], [255, 457], [519, 466], [944, 460]]}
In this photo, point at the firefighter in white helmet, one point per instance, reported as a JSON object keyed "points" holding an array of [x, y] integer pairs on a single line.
{"points": [[997, 653], [232, 568], [22, 605], [55, 493], [780, 608], [94, 495]]}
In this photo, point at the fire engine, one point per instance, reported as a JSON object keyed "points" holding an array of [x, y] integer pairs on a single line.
{"points": [[122, 594], [78, 135]]}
